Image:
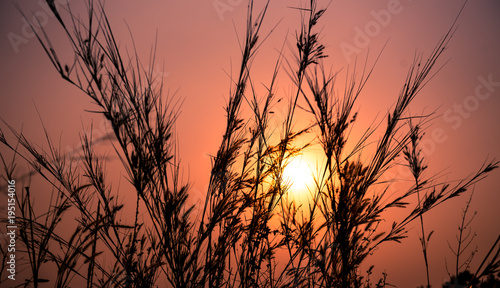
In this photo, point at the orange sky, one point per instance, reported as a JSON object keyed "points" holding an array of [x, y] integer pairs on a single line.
{"points": [[197, 42]]}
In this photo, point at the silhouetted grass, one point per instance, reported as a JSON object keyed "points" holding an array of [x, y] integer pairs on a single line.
{"points": [[248, 218]]}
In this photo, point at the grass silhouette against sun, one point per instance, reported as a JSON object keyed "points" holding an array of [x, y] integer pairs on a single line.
{"points": [[248, 216]]}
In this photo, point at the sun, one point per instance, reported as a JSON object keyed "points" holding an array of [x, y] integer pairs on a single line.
{"points": [[299, 175]]}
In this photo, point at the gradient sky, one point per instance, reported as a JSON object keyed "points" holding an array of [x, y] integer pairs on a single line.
{"points": [[197, 43]]}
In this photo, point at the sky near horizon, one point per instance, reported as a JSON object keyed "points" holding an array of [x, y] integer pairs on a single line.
{"points": [[197, 46]]}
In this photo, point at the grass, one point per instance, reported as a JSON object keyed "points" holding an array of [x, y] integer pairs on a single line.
{"points": [[248, 219]]}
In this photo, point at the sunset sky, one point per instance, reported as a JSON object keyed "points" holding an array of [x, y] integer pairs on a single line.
{"points": [[197, 47]]}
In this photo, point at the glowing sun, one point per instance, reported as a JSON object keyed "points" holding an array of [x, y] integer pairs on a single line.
{"points": [[298, 174]]}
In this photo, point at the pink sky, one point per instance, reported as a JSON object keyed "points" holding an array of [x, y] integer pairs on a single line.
{"points": [[197, 42]]}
